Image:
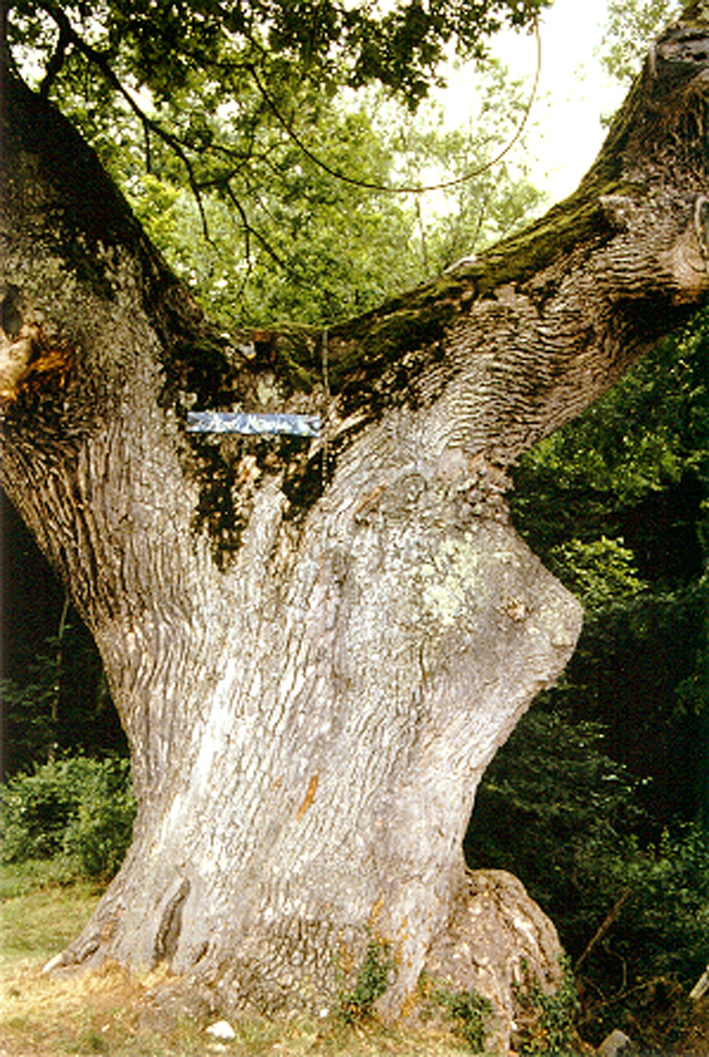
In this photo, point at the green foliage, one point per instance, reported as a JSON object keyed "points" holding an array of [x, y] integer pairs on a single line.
{"points": [[640, 970], [549, 794], [644, 437], [372, 981], [77, 807], [667, 915], [468, 1014], [100, 831], [616, 504], [54, 695], [160, 45], [21, 878], [601, 572], [303, 247], [287, 241], [560, 813], [28, 707], [57, 700], [232, 162], [599, 802], [546, 1019], [631, 27]]}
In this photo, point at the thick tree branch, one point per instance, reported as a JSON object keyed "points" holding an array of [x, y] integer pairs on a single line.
{"points": [[524, 336]]}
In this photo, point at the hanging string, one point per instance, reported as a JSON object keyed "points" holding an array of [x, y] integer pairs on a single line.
{"points": [[405, 189], [324, 355]]}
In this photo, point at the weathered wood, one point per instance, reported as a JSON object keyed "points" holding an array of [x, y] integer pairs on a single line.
{"points": [[701, 987]]}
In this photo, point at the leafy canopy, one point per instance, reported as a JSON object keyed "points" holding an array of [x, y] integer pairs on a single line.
{"points": [[630, 26], [163, 43], [288, 242], [234, 130]]}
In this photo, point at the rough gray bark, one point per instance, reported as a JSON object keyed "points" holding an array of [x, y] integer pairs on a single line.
{"points": [[316, 647]]}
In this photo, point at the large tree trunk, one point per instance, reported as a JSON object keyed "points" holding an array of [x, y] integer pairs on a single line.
{"points": [[316, 646]]}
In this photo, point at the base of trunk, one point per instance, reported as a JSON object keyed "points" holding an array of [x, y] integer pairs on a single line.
{"points": [[496, 950]]}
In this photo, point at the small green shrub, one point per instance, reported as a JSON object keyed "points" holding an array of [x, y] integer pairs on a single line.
{"points": [[36, 809], [77, 807], [547, 1020], [100, 832], [659, 945], [468, 1013], [566, 819], [372, 982]]}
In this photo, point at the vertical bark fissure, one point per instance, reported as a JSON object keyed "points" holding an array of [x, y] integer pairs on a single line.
{"points": [[168, 933]]}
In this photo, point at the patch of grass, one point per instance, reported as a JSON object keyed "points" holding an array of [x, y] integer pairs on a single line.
{"points": [[37, 918], [469, 1014], [20, 879], [82, 1013], [103, 1012], [372, 982]]}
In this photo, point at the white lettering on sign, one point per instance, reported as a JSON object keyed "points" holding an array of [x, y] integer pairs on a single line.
{"points": [[253, 423]]}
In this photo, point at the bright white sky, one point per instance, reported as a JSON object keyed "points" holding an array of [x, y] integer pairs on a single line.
{"points": [[574, 90], [564, 130]]}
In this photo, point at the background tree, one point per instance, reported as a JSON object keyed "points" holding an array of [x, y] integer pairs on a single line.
{"points": [[307, 248], [630, 27], [289, 633], [50, 696]]}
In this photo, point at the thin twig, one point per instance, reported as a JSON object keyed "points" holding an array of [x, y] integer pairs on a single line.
{"points": [[56, 62], [610, 918], [253, 231]]}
